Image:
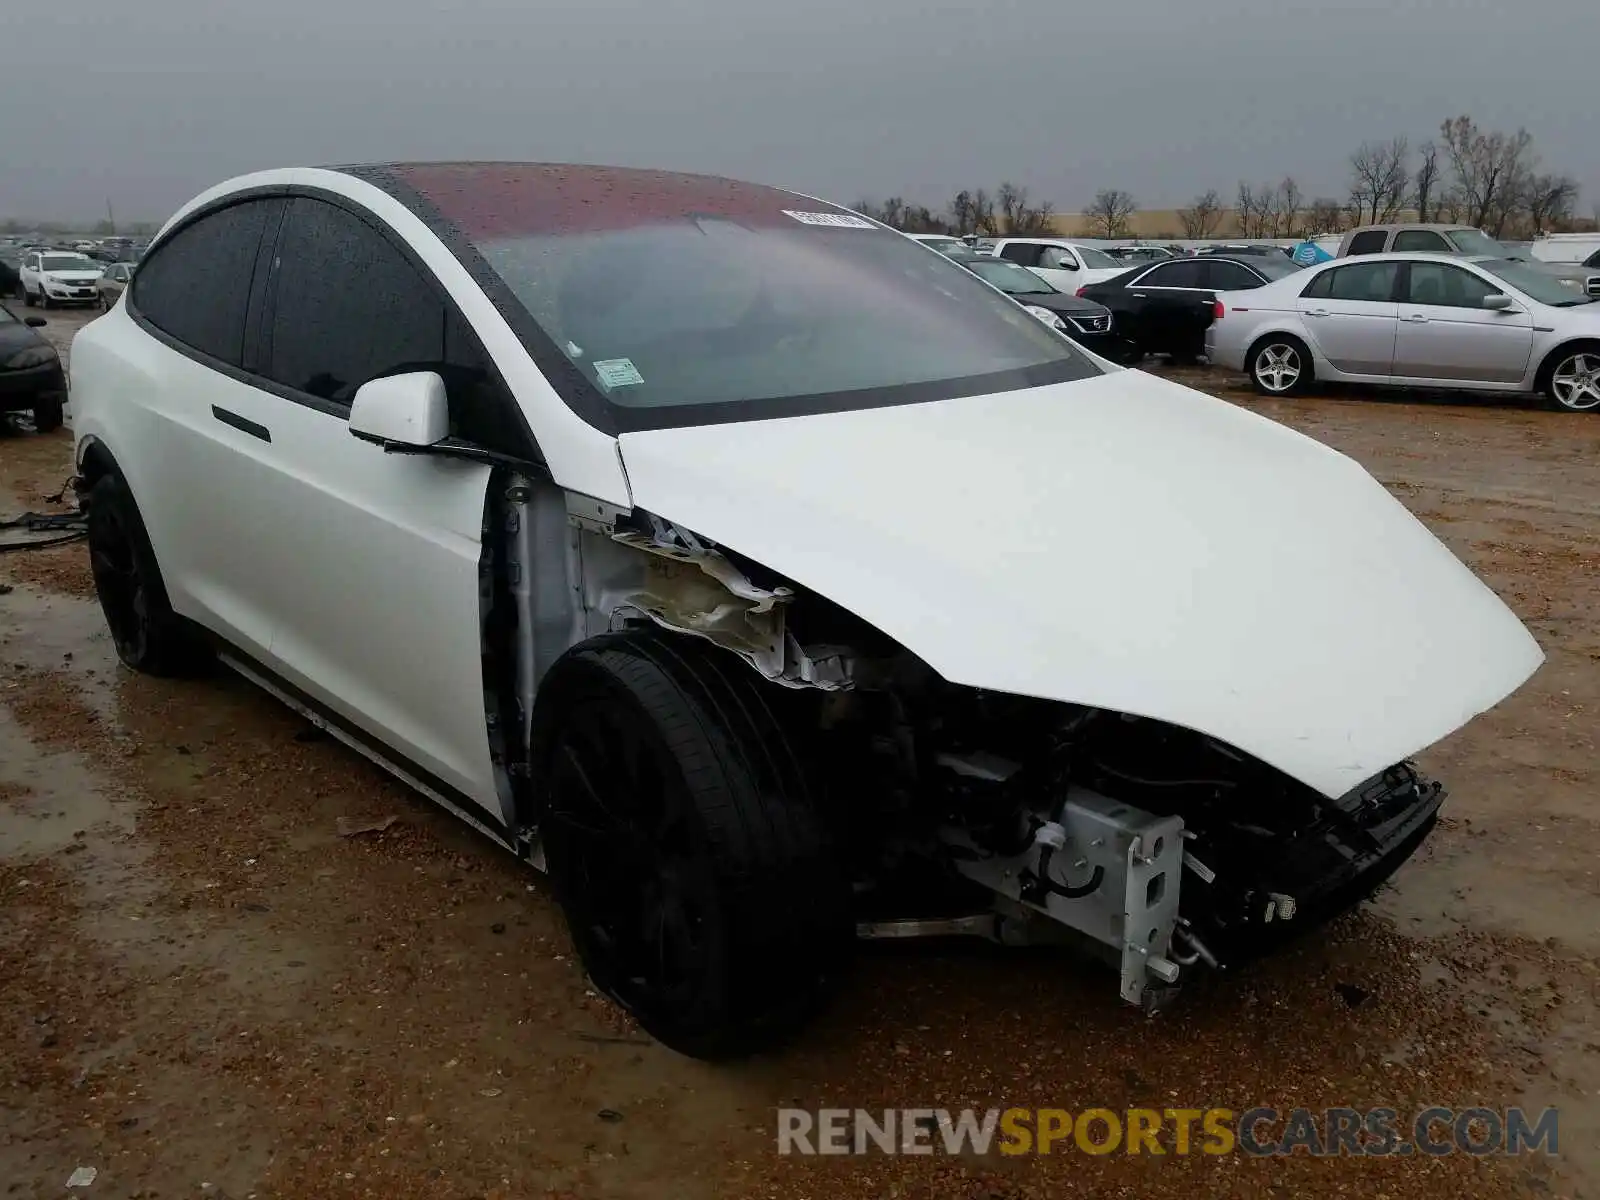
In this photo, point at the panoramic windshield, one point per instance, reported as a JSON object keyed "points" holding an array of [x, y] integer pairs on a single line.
{"points": [[651, 299], [1535, 284], [713, 311], [1475, 241], [67, 262], [1098, 260], [1007, 276]]}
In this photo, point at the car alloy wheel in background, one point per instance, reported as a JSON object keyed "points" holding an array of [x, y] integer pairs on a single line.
{"points": [[1575, 383], [1278, 367]]}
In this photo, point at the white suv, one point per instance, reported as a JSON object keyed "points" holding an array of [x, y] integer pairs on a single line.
{"points": [[1066, 264], [51, 277], [767, 578]]}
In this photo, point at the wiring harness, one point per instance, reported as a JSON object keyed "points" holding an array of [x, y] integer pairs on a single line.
{"points": [[41, 530]]}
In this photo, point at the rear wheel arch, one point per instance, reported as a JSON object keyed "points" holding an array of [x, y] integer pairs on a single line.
{"points": [[1283, 337]]}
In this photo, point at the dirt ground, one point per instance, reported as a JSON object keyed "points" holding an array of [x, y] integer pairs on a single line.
{"points": [[237, 960]]}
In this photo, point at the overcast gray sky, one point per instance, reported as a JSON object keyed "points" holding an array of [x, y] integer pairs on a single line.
{"points": [[147, 102]]}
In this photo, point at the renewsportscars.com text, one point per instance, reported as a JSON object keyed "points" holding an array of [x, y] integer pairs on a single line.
{"points": [[1259, 1132]]}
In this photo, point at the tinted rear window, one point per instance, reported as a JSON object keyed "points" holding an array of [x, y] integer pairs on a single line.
{"points": [[195, 286]]}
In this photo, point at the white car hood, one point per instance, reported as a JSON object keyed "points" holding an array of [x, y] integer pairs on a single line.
{"points": [[1121, 542]]}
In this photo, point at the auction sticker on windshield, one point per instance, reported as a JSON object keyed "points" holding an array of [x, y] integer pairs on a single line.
{"points": [[832, 220], [617, 372]]}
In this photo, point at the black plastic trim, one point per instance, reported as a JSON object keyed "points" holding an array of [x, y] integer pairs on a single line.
{"points": [[243, 424], [377, 745]]}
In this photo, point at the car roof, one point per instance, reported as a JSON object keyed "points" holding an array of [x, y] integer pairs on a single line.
{"points": [[1391, 226], [506, 199]]}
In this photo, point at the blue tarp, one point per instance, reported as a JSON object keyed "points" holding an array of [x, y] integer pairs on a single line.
{"points": [[1309, 254]]}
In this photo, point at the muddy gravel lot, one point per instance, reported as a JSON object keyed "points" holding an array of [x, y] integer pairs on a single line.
{"points": [[238, 960]]}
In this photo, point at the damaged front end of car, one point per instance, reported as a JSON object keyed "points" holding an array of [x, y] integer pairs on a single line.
{"points": [[960, 810]]}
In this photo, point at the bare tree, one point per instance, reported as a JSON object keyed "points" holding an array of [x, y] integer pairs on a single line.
{"points": [[1324, 216], [963, 213], [1378, 178], [1549, 200], [1286, 203], [1204, 214], [1108, 215], [1426, 181], [1489, 169], [1247, 210], [983, 213]]}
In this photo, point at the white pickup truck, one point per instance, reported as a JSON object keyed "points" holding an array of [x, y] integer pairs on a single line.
{"points": [[1568, 248], [1066, 264]]}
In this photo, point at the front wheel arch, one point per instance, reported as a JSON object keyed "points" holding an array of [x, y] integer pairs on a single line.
{"points": [[95, 461], [1547, 369]]}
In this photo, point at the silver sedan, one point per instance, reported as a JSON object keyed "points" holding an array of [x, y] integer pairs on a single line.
{"points": [[111, 283], [1415, 320]]}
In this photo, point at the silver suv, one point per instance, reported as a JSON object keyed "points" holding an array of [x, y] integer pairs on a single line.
{"points": [[1459, 239]]}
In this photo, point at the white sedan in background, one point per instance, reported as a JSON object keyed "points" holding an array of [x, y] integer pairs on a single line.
{"points": [[1415, 320]]}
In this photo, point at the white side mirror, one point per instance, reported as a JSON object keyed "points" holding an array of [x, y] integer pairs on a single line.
{"points": [[401, 410]]}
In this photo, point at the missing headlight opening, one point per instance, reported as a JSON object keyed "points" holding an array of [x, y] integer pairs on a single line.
{"points": [[955, 810]]}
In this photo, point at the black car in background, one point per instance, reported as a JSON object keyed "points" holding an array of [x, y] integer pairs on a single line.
{"points": [[1086, 322], [31, 378], [1166, 307]]}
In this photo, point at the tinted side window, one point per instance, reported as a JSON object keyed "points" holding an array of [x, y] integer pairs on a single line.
{"points": [[1421, 239], [1021, 252], [1447, 286], [1593, 260], [1369, 282], [196, 285], [1370, 242], [1319, 287], [1223, 276], [348, 307], [1185, 274]]}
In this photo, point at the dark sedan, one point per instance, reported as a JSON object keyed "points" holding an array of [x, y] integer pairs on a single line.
{"points": [[31, 378], [1086, 322], [1165, 308]]}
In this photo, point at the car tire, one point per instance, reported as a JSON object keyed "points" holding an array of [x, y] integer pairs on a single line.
{"points": [[1286, 362], [47, 416], [1568, 363], [148, 635], [44, 301], [684, 845], [27, 296]]}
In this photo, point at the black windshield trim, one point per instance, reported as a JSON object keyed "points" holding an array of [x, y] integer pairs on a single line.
{"points": [[580, 395]]}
